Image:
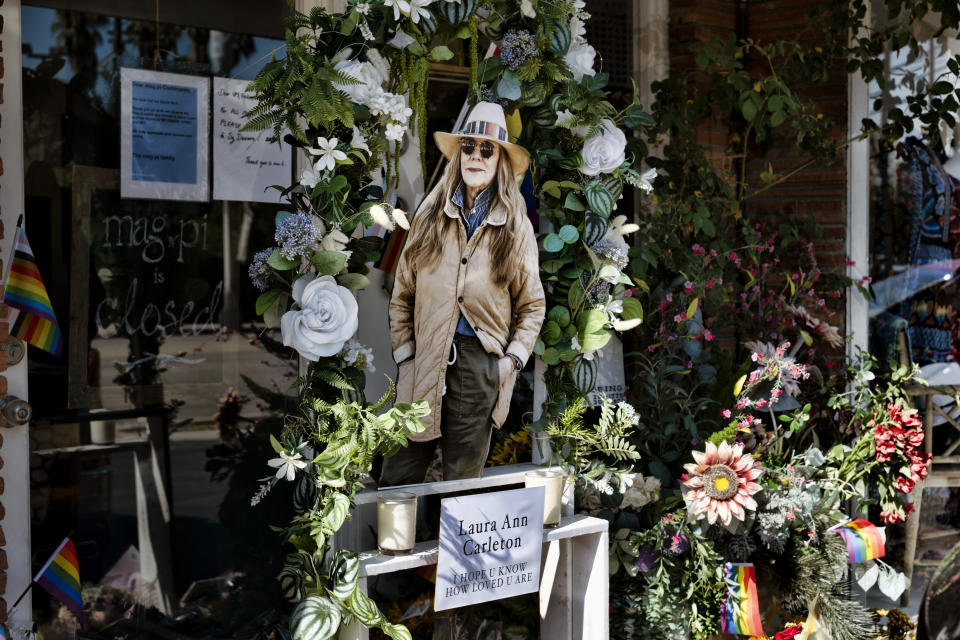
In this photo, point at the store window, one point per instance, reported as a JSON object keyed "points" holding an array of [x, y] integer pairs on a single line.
{"points": [[139, 452], [915, 289]]}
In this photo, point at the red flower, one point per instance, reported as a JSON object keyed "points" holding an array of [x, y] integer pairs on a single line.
{"points": [[904, 485], [789, 633]]}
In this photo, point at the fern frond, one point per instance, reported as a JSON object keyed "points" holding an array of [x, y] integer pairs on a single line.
{"points": [[385, 398]]}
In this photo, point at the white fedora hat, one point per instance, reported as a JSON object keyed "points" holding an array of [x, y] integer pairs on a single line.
{"points": [[485, 122]]}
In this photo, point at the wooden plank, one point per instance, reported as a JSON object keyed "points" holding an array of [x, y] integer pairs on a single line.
{"points": [[492, 477], [373, 563]]}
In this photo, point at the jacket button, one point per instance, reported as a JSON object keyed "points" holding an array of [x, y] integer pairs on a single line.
{"points": [[463, 261], [460, 299]]}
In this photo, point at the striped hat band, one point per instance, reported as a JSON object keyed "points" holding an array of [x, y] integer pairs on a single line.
{"points": [[482, 128]]}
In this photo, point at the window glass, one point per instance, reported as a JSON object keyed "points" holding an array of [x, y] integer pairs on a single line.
{"points": [[140, 447], [915, 291]]}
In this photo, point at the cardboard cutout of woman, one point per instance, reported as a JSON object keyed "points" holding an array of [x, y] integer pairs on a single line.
{"points": [[468, 303]]}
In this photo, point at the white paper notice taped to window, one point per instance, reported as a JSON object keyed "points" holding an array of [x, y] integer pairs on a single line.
{"points": [[164, 135], [489, 547], [245, 163]]}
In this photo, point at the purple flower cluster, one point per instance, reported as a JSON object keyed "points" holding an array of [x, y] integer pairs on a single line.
{"points": [[259, 271], [298, 236], [516, 48]]}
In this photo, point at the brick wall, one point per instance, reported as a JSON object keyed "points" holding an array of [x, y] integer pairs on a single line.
{"points": [[819, 191]]}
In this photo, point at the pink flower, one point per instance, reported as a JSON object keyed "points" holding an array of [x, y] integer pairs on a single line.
{"points": [[707, 335], [722, 483], [688, 287], [726, 413]]}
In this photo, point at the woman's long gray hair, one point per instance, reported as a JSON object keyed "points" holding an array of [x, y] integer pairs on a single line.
{"points": [[429, 224]]}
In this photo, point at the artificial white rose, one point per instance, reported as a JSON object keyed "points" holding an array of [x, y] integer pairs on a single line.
{"points": [[370, 77], [605, 151], [326, 318], [579, 58]]}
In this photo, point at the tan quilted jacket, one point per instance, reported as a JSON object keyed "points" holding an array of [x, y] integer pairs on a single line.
{"points": [[426, 306]]}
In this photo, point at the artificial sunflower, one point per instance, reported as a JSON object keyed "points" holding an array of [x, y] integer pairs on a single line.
{"points": [[722, 482]]}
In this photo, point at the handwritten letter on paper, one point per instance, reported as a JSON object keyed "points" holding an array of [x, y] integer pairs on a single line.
{"points": [[245, 163]]}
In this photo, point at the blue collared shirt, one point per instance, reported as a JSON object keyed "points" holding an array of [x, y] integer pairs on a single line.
{"points": [[472, 219]]}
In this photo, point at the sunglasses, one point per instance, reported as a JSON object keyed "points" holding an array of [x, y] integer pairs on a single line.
{"points": [[469, 145]]}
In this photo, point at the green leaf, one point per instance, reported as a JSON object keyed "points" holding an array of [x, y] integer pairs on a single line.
{"points": [[591, 332], [267, 299], [599, 198], [364, 608], [335, 511], [509, 87], [551, 356], [553, 243], [551, 187], [349, 25], [569, 234], [632, 309], [942, 88], [573, 203], [280, 263], [275, 444], [489, 68], [440, 53], [315, 618], [353, 281], [329, 263], [749, 110], [396, 631], [575, 296], [560, 315], [551, 333], [344, 571]]}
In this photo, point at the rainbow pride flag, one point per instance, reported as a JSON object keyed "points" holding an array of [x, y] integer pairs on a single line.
{"points": [[864, 540], [741, 609], [61, 577], [36, 324]]}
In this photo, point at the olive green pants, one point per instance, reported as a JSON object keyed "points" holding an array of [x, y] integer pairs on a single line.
{"points": [[473, 382]]}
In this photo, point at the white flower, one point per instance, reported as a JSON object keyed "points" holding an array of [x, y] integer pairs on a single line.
{"points": [[379, 215], [365, 31], [647, 180], [394, 132], [287, 465], [564, 118], [527, 9], [579, 58], [605, 151], [359, 141], [626, 325], [577, 29], [401, 219], [336, 240], [325, 320], [642, 492], [363, 7], [618, 226], [418, 8], [358, 355], [399, 7], [328, 152], [310, 177], [370, 77], [575, 345], [401, 40]]}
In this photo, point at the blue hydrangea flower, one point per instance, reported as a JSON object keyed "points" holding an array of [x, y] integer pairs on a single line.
{"points": [[298, 236], [516, 48], [259, 271]]}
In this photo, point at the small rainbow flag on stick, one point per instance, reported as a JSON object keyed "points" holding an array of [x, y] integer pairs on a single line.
{"points": [[864, 540], [36, 323], [741, 609], [61, 577]]}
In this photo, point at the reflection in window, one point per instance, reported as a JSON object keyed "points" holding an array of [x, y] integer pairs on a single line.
{"points": [[915, 301]]}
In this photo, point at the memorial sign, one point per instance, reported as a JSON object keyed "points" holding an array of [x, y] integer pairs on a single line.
{"points": [[489, 547]]}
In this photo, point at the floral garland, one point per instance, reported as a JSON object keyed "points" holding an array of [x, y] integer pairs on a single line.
{"points": [[346, 90]]}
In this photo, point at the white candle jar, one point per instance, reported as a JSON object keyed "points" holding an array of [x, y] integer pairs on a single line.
{"points": [[396, 522], [552, 482]]}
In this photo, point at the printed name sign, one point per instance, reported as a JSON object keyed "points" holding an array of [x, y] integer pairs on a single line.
{"points": [[489, 547]]}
